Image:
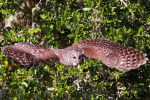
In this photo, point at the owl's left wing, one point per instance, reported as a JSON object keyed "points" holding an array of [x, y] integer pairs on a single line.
{"points": [[113, 55], [28, 54]]}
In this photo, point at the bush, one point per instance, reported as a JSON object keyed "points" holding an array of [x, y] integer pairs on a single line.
{"points": [[58, 24]]}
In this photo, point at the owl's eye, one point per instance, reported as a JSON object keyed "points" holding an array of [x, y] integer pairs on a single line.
{"points": [[74, 57]]}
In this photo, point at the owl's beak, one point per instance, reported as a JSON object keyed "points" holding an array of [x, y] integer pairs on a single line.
{"points": [[76, 63], [80, 61]]}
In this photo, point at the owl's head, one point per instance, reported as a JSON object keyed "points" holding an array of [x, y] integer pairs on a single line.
{"points": [[71, 57]]}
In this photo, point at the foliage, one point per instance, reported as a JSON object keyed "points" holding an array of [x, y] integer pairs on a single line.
{"points": [[58, 24]]}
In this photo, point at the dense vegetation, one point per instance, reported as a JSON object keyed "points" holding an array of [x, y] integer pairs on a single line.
{"points": [[58, 24]]}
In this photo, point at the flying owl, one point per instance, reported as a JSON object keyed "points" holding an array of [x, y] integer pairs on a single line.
{"points": [[111, 54]]}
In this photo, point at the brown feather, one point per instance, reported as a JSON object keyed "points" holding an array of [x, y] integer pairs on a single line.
{"points": [[113, 55], [28, 54]]}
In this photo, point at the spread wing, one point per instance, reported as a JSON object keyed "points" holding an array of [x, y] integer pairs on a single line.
{"points": [[28, 54], [113, 55]]}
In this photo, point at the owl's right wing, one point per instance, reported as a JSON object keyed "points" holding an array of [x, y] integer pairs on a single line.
{"points": [[28, 54], [113, 55]]}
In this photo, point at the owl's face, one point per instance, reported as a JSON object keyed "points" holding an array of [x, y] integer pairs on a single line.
{"points": [[71, 57]]}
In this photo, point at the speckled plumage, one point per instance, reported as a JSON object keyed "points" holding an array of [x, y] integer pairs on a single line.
{"points": [[113, 55]]}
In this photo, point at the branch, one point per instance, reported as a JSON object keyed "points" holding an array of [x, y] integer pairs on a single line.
{"points": [[133, 15]]}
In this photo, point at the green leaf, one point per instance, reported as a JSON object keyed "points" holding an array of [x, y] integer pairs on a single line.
{"points": [[25, 84], [71, 35], [13, 83]]}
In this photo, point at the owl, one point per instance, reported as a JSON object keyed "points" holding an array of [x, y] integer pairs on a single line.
{"points": [[111, 54]]}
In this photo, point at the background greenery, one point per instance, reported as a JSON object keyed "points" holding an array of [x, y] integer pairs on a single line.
{"points": [[58, 24]]}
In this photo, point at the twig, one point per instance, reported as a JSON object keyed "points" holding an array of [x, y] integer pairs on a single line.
{"points": [[133, 15], [37, 8]]}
